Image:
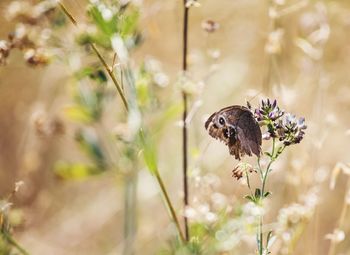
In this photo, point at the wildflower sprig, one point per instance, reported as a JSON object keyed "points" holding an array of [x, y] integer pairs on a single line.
{"points": [[284, 129], [7, 242], [290, 129]]}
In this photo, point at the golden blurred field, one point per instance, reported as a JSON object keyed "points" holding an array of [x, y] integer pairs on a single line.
{"points": [[302, 59]]}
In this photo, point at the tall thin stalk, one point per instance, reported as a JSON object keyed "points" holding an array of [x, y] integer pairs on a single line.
{"points": [[184, 117], [13, 242], [168, 203], [130, 204], [263, 176], [102, 60], [341, 220], [170, 206]]}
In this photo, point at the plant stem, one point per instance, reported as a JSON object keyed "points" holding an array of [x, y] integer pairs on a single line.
{"points": [[111, 75], [341, 221], [260, 170], [130, 205], [268, 166], [264, 180], [13, 242], [184, 117], [269, 57], [261, 236], [170, 206], [102, 60], [120, 91]]}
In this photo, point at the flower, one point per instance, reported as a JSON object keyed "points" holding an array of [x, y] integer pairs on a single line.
{"points": [[337, 236], [290, 129], [190, 3], [210, 26], [30, 14], [289, 217], [4, 51], [274, 42], [36, 57], [268, 111], [267, 114], [240, 169], [285, 126]]}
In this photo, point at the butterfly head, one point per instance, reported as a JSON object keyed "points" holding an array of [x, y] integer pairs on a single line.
{"points": [[219, 127]]}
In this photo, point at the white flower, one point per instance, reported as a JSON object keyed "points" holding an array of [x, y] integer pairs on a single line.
{"points": [[120, 48], [337, 236]]}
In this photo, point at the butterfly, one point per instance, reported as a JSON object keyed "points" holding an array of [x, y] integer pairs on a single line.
{"points": [[238, 129]]}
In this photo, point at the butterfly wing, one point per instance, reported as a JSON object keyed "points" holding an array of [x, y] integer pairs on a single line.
{"points": [[244, 140], [215, 131], [249, 134], [246, 134]]}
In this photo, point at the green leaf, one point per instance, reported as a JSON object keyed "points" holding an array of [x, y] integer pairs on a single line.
{"points": [[199, 230], [84, 72], [142, 90], [269, 235], [267, 194], [99, 38], [195, 246], [268, 154], [93, 73], [90, 100], [90, 145], [108, 27], [76, 171], [270, 241], [250, 198], [100, 76], [79, 113], [167, 115], [129, 23], [149, 152], [257, 193]]}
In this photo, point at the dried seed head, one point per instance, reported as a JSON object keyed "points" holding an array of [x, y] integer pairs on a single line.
{"points": [[241, 169], [4, 51], [36, 57], [192, 3], [274, 42], [210, 26], [337, 236]]}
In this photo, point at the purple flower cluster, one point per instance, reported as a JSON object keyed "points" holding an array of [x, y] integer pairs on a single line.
{"points": [[268, 111], [285, 126], [290, 129]]}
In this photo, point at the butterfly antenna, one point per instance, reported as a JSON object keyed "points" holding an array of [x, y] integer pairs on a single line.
{"points": [[252, 98]]}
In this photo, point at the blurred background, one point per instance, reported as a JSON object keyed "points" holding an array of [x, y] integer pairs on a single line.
{"points": [[78, 194]]}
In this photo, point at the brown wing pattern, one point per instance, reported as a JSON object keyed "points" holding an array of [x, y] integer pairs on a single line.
{"points": [[249, 134], [245, 133], [214, 130]]}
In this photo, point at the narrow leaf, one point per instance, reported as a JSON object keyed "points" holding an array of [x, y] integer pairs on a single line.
{"points": [[149, 152]]}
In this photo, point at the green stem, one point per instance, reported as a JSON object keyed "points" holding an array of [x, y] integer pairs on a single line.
{"points": [[272, 159], [248, 183], [13, 242], [130, 207], [170, 206], [261, 236], [121, 93], [111, 75], [260, 170], [102, 60], [264, 180]]}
